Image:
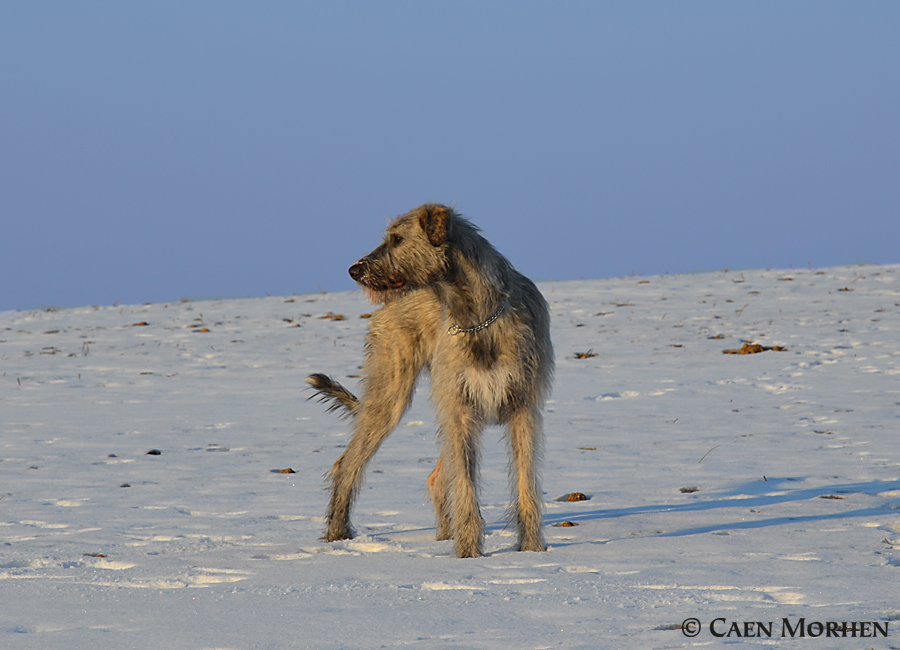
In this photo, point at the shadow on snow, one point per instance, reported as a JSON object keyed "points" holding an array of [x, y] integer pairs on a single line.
{"points": [[757, 494]]}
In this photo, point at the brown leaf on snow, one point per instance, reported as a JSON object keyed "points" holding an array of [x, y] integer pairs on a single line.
{"points": [[586, 355], [754, 348]]}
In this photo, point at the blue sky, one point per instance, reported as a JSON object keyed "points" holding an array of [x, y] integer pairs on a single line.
{"points": [[150, 151]]}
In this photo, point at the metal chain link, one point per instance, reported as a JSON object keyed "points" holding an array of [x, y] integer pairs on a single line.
{"points": [[456, 329]]}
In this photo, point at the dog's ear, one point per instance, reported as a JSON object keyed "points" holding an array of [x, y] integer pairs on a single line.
{"points": [[435, 222]]}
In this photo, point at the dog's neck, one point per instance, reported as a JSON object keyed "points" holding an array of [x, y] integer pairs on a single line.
{"points": [[464, 288]]}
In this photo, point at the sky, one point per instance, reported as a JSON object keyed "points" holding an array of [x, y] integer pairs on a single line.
{"points": [[154, 151]]}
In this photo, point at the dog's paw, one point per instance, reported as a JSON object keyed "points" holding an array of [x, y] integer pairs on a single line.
{"points": [[470, 548], [338, 534], [443, 534]]}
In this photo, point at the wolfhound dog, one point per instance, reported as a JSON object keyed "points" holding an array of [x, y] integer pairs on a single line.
{"points": [[456, 307]]}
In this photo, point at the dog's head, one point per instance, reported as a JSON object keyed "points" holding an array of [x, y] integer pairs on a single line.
{"points": [[413, 254]]}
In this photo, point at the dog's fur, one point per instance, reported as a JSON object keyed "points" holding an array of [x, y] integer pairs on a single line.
{"points": [[441, 282]]}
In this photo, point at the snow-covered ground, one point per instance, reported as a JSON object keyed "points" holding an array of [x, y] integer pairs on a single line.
{"points": [[746, 488]]}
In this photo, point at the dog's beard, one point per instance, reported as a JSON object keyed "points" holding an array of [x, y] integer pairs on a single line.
{"points": [[375, 297], [380, 294]]}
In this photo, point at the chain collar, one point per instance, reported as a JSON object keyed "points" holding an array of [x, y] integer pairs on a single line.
{"points": [[456, 329]]}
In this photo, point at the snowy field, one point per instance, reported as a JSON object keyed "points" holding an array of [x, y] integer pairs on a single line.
{"points": [[743, 488]]}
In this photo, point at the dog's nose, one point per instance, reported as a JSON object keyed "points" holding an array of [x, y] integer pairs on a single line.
{"points": [[357, 271]]}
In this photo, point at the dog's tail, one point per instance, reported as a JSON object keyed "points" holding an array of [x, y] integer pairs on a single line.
{"points": [[332, 393]]}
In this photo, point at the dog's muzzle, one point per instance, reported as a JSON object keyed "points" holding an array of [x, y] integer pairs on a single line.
{"points": [[358, 271]]}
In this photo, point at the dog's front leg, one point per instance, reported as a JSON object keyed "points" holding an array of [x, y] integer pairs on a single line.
{"points": [[460, 432], [525, 432]]}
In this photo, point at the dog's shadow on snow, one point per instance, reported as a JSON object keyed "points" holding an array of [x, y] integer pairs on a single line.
{"points": [[749, 496], [754, 495]]}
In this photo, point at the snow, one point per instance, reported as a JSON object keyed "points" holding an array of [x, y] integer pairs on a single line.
{"points": [[750, 488]]}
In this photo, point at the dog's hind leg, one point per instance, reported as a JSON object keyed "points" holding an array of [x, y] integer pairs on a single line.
{"points": [[389, 380], [339, 398], [439, 489]]}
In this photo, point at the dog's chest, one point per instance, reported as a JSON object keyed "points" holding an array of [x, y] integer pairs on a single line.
{"points": [[487, 387]]}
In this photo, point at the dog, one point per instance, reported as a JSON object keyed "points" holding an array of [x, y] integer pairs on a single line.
{"points": [[454, 306]]}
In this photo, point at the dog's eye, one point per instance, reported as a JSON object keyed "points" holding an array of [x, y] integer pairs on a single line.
{"points": [[396, 239]]}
